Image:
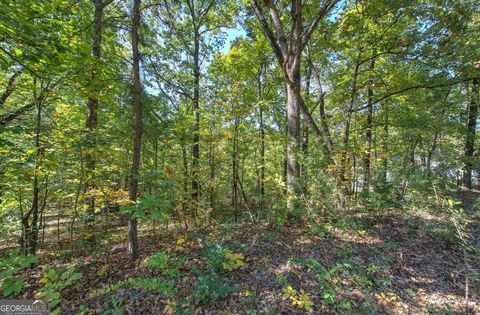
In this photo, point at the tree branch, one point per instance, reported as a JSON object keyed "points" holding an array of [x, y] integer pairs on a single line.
{"points": [[324, 10], [277, 23], [267, 31], [9, 89], [178, 89], [414, 87], [321, 101]]}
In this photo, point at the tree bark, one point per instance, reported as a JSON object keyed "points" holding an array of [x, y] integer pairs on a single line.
{"points": [[92, 106], [185, 175], [385, 144], [305, 139], [10, 87], [285, 159], [36, 190], [470, 138], [293, 134], [235, 169], [368, 133], [196, 125], [262, 142], [212, 172], [294, 102], [137, 113]]}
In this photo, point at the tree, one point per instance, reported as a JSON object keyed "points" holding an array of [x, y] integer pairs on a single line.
{"points": [[288, 54], [30, 228], [137, 140], [192, 25], [368, 133], [92, 104], [470, 138]]}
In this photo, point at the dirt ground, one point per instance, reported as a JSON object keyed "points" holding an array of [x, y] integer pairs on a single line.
{"points": [[393, 262]]}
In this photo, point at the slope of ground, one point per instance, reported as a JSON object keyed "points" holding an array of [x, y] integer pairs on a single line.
{"points": [[353, 262]]}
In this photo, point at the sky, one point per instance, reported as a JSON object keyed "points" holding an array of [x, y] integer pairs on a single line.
{"points": [[232, 34]]}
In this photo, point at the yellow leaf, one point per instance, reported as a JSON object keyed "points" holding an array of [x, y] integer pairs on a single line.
{"points": [[168, 309], [180, 241], [450, 202]]}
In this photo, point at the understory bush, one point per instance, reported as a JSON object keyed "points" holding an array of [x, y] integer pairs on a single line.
{"points": [[10, 267]]}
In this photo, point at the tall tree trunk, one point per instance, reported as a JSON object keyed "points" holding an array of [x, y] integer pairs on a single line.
{"points": [[344, 177], [77, 195], [463, 117], [155, 157], [368, 133], [30, 235], [212, 174], [211, 159], [262, 161], [353, 183], [185, 175], [385, 144], [235, 170], [33, 235], [92, 107], [196, 125], [305, 138], [42, 210], [137, 113], [294, 102], [470, 138], [25, 227], [262, 143], [293, 134], [285, 159]]}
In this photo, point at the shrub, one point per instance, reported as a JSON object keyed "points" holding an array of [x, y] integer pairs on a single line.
{"points": [[299, 299], [210, 287], [232, 261], [326, 278], [211, 283], [53, 284], [165, 263], [9, 269]]}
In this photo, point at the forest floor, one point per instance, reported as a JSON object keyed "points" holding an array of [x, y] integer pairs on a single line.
{"points": [[354, 262]]}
